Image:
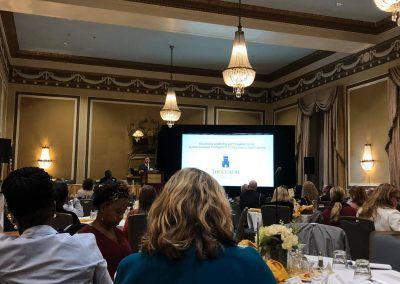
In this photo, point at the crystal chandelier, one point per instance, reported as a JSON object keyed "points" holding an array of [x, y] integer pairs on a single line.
{"points": [[239, 73], [170, 112], [392, 6]]}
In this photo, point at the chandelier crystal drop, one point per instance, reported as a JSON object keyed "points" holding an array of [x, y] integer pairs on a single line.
{"points": [[391, 6], [239, 73], [170, 112]]}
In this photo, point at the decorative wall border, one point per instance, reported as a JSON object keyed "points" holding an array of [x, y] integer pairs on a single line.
{"points": [[377, 55], [15, 134], [217, 109], [81, 80], [122, 101]]}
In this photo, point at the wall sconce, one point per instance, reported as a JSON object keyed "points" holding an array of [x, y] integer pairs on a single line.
{"points": [[137, 135], [367, 162], [44, 160]]}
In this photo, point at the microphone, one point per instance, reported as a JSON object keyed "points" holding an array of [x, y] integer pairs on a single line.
{"points": [[278, 171]]}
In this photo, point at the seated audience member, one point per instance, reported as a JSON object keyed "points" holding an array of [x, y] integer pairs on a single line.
{"points": [[40, 255], [60, 197], [190, 238], [308, 193], [111, 200], [107, 177], [381, 208], [146, 198], [281, 197], [338, 207], [87, 189], [357, 197], [244, 187], [326, 196], [251, 198]]}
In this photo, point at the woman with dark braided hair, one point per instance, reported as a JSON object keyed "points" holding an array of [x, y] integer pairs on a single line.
{"points": [[111, 200], [40, 255]]}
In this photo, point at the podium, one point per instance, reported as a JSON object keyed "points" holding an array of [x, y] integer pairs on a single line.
{"points": [[154, 178]]}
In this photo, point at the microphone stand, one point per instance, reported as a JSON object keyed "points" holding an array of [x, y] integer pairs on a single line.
{"points": [[278, 171]]}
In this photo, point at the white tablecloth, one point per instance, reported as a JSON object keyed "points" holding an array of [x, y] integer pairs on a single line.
{"points": [[345, 276], [254, 219], [86, 220]]}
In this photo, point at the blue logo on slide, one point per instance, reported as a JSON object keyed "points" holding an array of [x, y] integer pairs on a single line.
{"points": [[225, 162]]}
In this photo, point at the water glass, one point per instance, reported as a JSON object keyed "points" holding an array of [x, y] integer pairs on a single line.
{"points": [[339, 260], [93, 214], [362, 270]]}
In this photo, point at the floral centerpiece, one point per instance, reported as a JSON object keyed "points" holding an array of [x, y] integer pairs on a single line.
{"points": [[275, 241]]}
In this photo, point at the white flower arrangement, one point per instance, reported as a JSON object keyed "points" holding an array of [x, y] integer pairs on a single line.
{"points": [[277, 236]]}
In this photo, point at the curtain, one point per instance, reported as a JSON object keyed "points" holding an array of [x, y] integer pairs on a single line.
{"points": [[393, 145], [330, 101]]}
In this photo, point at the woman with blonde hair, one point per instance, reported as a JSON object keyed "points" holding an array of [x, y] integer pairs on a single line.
{"points": [[381, 208], [190, 239], [338, 207], [308, 193], [281, 197]]}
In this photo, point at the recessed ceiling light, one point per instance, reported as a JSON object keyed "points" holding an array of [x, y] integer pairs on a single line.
{"points": [[338, 4], [65, 43]]}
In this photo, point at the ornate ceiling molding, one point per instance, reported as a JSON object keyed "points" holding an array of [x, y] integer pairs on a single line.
{"points": [[80, 80], [366, 59]]}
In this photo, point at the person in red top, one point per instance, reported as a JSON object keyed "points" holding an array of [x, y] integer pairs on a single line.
{"points": [[111, 200], [338, 207]]}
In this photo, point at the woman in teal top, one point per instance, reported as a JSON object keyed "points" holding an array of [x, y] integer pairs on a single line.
{"points": [[189, 239]]}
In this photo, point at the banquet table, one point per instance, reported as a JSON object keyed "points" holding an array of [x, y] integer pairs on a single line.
{"points": [[88, 220], [345, 276], [254, 219]]}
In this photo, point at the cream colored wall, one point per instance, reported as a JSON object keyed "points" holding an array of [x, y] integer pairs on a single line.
{"points": [[286, 116], [239, 117], [368, 123], [46, 121], [190, 114]]}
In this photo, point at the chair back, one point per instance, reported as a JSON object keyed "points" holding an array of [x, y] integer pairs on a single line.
{"points": [[357, 231], [137, 226], [87, 205], [235, 214], [384, 248], [61, 221], [242, 223], [321, 238], [272, 214]]}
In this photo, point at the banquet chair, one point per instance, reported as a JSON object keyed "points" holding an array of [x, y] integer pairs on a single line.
{"points": [[357, 231], [272, 214], [242, 232], [320, 238], [87, 205], [235, 214], [137, 226], [384, 248], [61, 221]]}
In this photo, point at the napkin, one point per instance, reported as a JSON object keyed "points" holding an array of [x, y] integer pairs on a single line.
{"points": [[307, 208], [278, 270], [247, 243], [254, 210]]}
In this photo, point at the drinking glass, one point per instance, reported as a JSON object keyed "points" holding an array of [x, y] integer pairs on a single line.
{"points": [[93, 214], [362, 270], [339, 260]]}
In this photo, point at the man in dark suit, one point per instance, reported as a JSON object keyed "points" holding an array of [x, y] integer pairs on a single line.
{"points": [[145, 167], [107, 177], [251, 198]]}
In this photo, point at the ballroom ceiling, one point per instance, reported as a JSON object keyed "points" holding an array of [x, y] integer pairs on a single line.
{"points": [[281, 35]]}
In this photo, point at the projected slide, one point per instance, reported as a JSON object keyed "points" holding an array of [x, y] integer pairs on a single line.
{"points": [[232, 159]]}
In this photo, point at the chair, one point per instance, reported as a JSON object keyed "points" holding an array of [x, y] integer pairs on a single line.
{"points": [[137, 226], [321, 238], [61, 221], [87, 205], [272, 214], [242, 232], [235, 214], [357, 231], [384, 248]]}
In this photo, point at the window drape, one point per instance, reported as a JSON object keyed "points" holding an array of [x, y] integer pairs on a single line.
{"points": [[331, 102]]}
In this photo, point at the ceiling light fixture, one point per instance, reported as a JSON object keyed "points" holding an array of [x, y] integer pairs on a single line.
{"points": [[170, 112], [239, 73], [391, 6]]}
